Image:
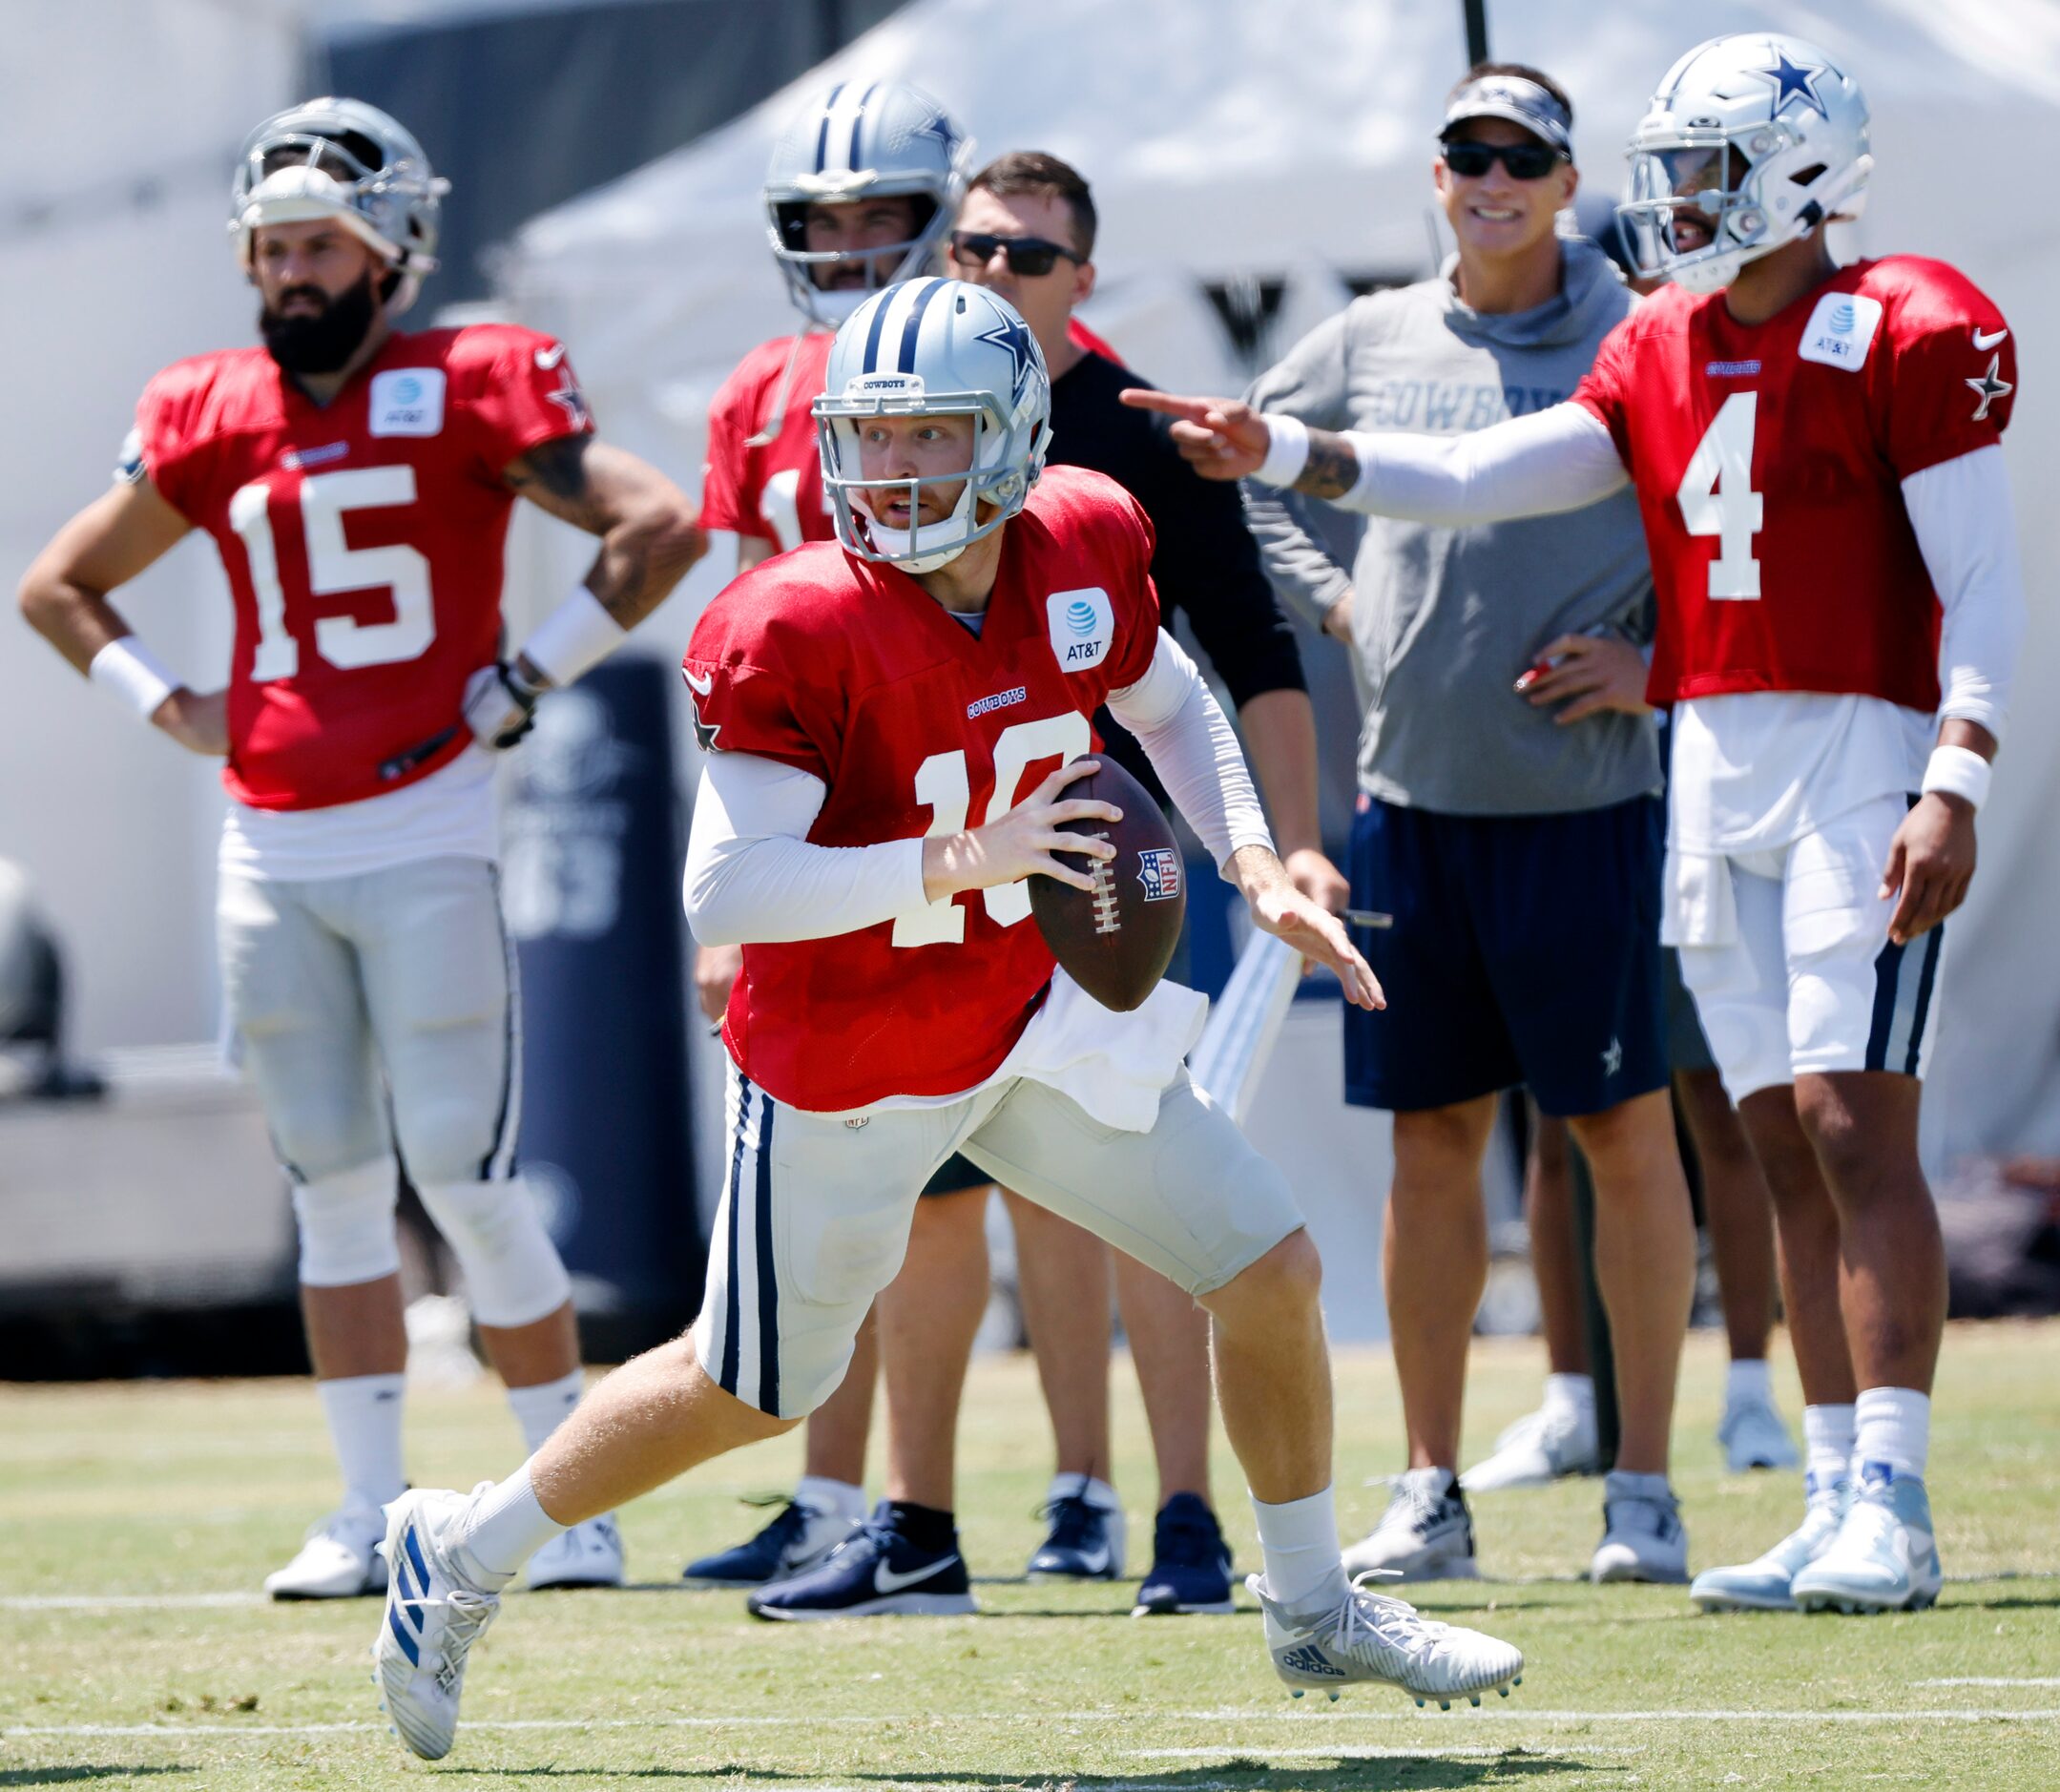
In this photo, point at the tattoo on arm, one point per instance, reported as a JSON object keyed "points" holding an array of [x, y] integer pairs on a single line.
{"points": [[555, 476], [649, 536], [1333, 468]]}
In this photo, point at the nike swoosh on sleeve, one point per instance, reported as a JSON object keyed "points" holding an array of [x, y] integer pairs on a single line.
{"points": [[700, 687], [1986, 340], [549, 358]]}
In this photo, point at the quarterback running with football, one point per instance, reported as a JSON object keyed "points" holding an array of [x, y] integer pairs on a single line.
{"points": [[358, 483], [893, 719], [1816, 454]]}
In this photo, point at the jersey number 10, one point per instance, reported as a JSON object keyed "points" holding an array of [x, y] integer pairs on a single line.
{"points": [[1716, 496], [333, 568]]}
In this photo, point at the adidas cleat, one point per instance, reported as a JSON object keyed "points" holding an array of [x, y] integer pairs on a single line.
{"points": [[339, 1559], [1642, 1539], [432, 1620], [1371, 1637], [1427, 1534], [1884, 1557], [1764, 1584]]}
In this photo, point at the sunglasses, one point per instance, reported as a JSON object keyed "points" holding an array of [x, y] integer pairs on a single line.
{"points": [[1026, 255], [1525, 162]]}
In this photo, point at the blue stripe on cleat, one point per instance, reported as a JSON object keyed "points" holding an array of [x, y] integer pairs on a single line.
{"points": [[409, 1646]]}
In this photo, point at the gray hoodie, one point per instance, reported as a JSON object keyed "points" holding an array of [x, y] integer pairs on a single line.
{"points": [[1444, 620]]}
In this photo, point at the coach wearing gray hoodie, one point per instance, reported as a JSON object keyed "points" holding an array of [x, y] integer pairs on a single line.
{"points": [[1507, 835]]}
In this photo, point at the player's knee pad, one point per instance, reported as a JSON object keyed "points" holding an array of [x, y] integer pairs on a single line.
{"points": [[347, 1225], [513, 1271], [448, 1138]]}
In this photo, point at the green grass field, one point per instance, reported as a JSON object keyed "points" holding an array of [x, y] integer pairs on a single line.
{"points": [[139, 1519]]}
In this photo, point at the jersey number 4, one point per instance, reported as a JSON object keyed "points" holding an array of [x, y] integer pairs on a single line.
{"points": [[1716, 496], [333, 568], [942, 784]]}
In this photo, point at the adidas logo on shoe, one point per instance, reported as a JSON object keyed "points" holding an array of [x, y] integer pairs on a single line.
{"points": [[1310, 1660]]}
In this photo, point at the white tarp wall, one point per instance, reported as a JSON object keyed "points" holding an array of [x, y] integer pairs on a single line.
{"points": [[1294, 136], [118, 132]]}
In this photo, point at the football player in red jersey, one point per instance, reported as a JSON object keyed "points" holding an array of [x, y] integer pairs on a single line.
{"points": [[893, 719], [1816, 452], [358, 483]]}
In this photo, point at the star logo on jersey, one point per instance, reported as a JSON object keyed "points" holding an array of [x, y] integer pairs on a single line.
{"points": [[1013, 338], [945, 132], [1989, 388], [570, 400], [699, 688], [1791, 83]]}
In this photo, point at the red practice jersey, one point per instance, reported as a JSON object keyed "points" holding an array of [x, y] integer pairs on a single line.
{"points": [[362, 540], [1768, 460], [852, 673], [764, 471]]}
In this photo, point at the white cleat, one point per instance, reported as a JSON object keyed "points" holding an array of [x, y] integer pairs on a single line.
{"points": [[433, 1619], [1427, 1534], [1884, 1557], [590, 1554], [339, 1559], [1754, 1437], [1764, 1584], [1642, 1539], [1373, 1636], [1539, 1448]]}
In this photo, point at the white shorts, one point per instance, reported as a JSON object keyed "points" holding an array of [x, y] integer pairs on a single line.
{"points": [[392, 986], [814, 1216], [1788, 957]]}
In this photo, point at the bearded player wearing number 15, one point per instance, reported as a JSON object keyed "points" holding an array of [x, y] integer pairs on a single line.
{"points": [[1816, 456], [358, 483], [891, 721]]}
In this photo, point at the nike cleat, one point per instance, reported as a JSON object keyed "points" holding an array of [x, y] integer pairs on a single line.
{"points": [[339, 1559], [433, 1618], [1086, 1538], [1427, 1534], [1371, 1637], [1764, 1584], [875, 1572], [1884, 1557], [1190, 1563], [1754, 1437], [799, 1537], [1539, 1448], [590, 1554]]}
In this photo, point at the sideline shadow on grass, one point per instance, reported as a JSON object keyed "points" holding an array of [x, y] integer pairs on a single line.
{"points": [[80, 1775], [1419, 1773]]}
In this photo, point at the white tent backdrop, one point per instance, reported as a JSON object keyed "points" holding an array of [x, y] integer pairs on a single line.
{"points": [[1291, 139]]}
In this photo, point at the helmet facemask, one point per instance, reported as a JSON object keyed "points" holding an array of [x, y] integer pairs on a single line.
{"points": [[905, 260]]}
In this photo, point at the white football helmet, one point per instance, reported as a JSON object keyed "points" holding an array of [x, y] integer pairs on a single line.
{"points": [[862, 141], [925, 348], [1762, 136], [344, 159]]}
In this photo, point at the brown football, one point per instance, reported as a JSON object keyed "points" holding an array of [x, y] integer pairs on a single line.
{"points": [[1116, 943]]}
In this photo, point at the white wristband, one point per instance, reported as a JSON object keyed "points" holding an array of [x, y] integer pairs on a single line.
{"points": [[131, 672], [1288, 451], [1958, 771], [573, 639]]}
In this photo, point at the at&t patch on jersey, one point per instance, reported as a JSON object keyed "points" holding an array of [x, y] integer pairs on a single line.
{"points": [[1158, 870], [406, 401], [1083, 626], [1841, 330]]}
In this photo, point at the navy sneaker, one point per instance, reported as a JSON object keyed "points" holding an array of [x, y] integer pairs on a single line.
{"points": [[874, 1572], [1086, 1538], [799, 1538], [1190, 1562]]}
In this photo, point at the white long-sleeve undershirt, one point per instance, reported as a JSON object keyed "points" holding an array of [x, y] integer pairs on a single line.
{"points": [[1562, 458], [753, 877]]}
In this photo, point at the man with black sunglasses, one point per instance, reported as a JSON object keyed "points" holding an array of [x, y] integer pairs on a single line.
{"points": [[1516, 844]]}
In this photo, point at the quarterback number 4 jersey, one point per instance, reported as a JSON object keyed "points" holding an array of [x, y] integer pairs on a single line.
{"points": [[1768, 460], [363, 541], [918, 725]]}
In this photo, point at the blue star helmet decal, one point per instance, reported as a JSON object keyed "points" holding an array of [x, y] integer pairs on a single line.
{"points": [[944, 131], [1793, 83], [1013, 336]]}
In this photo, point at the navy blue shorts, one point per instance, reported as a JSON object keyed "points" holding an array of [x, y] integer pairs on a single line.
{"points": [[1523, 949]]}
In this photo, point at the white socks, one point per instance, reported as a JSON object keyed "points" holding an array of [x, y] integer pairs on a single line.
{"points": [[834, 1499], [1091, 1489], [502, 1527], [1572, 1395], [542, 1408], [1827, 1438], [1892, 1424], [363, 1412], [1747, 1382], [1304, 1565]]}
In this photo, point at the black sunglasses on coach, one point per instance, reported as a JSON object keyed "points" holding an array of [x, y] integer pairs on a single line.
{"points": [[1026, 255], [1525, 162]]}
